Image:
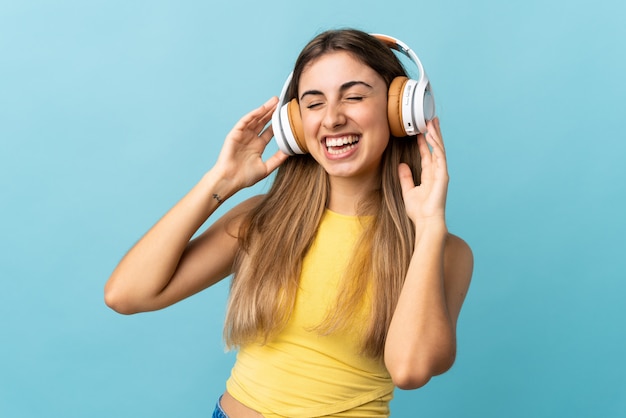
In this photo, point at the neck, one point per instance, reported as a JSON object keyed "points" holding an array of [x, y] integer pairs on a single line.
{"points": [[347, 193]]}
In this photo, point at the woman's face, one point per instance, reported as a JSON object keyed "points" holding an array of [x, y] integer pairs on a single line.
{"points": [[343, 104]]}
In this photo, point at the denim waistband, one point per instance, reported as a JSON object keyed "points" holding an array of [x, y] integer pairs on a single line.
{"points": [[219, 412]]}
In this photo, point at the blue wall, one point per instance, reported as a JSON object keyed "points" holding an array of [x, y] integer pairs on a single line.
{"points": [[111, 110]]}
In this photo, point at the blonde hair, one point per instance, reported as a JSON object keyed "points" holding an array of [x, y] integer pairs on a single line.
{"points": [[278, 232]]}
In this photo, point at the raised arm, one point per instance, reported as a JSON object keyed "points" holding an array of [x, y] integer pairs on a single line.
{"points": [[164, 266], [421, 341]]}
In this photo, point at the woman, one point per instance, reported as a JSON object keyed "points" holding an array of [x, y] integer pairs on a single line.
{"points": [[346, 282]]}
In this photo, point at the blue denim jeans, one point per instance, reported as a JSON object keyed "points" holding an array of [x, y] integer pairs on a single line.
{"points": [[219, 412]]}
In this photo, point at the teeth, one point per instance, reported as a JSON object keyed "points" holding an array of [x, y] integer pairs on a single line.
{"points": [[337, 151], [337, 146], [338, 142]]}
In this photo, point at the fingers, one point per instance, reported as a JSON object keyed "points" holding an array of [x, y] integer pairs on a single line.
{"points": [[433, 138], [432, 153], [433, 134], [422, 146], [275, 160], [406, 178], [256, 120], [267, 134], [267, 109]]}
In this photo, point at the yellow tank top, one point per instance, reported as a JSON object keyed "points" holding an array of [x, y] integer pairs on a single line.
{"points": [[301, 373]]}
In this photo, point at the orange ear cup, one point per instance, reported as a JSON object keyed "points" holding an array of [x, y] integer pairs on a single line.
{"points": [[295, 122], [394, 106]]}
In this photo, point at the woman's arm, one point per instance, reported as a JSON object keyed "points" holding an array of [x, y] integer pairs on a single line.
{"points": [[421, 341], [164, 266]]}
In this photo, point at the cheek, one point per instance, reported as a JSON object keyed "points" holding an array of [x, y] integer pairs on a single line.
{"points": [[377, 114], [310, 126], [378, 121]]}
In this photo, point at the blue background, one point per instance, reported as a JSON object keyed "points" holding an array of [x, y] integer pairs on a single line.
{"points": [[111, 110]]}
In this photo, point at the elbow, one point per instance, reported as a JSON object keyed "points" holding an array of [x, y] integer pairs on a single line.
{"points": [[407, 380], [412, 374], [116, 301]]}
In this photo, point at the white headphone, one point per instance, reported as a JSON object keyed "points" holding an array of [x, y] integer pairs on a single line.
{"points": [[410, 105]]}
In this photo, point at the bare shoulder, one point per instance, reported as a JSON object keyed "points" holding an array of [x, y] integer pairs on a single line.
{"points": [[231, 221], [457, 249], [222, 237], [247, 204], [209, 257]]}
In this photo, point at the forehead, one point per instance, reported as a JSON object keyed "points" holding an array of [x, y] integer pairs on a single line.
{"points": [[335, 68]]}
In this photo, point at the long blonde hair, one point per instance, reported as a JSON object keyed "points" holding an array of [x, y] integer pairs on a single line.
{"points": [[279, 231]]}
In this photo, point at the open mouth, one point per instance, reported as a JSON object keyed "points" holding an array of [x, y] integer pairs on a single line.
{"points": [[340, 145]]}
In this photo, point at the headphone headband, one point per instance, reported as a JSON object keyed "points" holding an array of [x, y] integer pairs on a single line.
{"points": [[401, 47]]}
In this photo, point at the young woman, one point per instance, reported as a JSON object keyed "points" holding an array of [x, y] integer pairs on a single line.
{"points": [[346, 281]]}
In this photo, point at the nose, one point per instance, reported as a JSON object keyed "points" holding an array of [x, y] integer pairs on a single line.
{"points": [[333, 116]]}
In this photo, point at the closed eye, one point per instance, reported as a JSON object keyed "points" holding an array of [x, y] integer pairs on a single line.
{"points": [[313, 105]]}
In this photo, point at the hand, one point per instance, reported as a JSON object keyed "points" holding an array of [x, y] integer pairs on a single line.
{"points": [[426, 202], [240, 161]]}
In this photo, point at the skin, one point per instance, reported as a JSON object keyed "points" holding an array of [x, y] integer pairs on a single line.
{"points": [[421, 341], [340, 97]]}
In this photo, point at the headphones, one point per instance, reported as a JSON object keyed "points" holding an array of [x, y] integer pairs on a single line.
{"points": [[410, 105]]}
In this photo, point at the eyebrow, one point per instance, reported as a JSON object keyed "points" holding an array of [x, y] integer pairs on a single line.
{"points": [[344, 87]]}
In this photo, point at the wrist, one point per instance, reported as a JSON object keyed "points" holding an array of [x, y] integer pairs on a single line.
{"points": [[217, 186], [432, 226]]}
